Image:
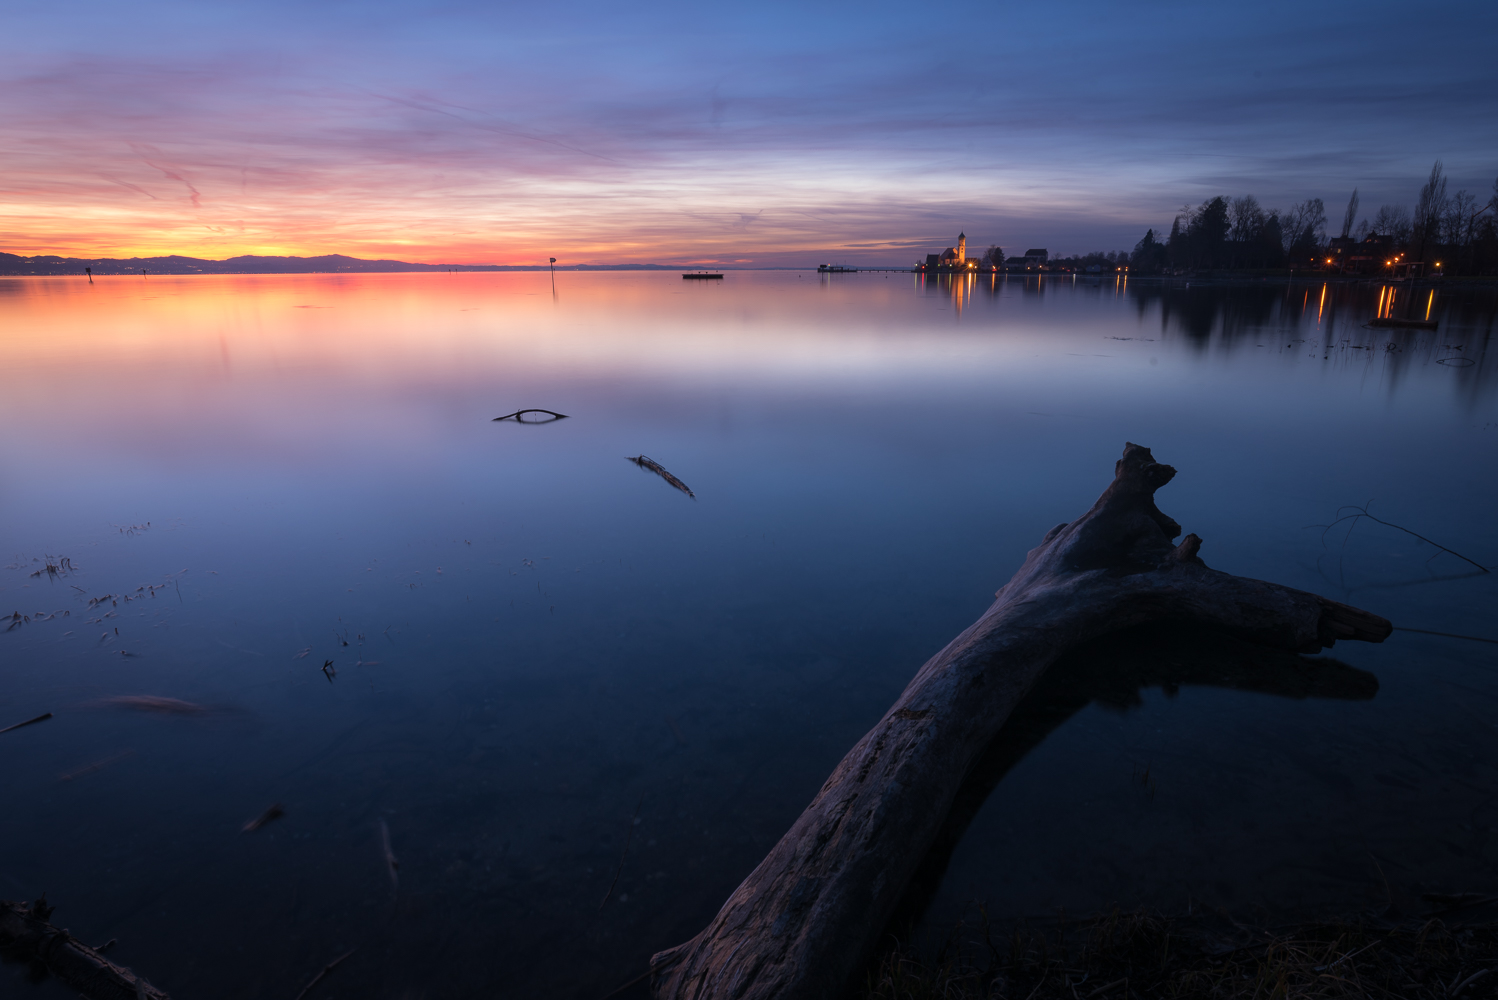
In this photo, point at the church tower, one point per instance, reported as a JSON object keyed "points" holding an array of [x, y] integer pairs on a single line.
{"points": [[961, 249]]}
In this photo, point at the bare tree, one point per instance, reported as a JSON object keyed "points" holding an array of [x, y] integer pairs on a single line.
{"points": [[1247, 219], [1460, 219], [1393, 220], [1352, 214], [1305, 228], [1429, 211]]}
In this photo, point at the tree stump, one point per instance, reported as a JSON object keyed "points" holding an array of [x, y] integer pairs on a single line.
{"points": [[807, 919]]}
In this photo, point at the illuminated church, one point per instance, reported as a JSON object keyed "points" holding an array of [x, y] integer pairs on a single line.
{"points": [[952, 258]]}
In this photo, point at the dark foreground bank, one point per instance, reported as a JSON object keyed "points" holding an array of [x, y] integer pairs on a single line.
{"points": [[1144, 954]]}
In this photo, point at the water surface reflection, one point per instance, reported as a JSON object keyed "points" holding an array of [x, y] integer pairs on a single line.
{"points": [[541, 640]]}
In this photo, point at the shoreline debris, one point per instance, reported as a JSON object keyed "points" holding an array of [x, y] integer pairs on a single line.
{"points": [[652, 465], [28, 722], [270, 815], [518, 414]]}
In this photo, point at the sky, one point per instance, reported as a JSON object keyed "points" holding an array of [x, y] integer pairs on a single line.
{"points": [[756, 135]]}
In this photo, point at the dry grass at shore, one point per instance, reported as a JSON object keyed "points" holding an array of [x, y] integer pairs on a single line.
{"points": [[1141, 955]]}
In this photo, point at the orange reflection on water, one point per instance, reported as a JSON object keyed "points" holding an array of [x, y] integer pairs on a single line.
{"points": [[198, 365]]}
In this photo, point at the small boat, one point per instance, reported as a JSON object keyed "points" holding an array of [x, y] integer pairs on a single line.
{"points": [[701, 274], [1419, 324]]}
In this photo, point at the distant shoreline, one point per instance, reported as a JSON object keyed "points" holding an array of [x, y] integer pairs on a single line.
{"points": [[44, 266]]}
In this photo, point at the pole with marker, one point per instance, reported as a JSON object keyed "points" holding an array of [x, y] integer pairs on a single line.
{"points": [[553, 274]]}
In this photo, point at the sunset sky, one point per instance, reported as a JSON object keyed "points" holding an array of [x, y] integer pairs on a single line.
{"points": [[756, 135]]}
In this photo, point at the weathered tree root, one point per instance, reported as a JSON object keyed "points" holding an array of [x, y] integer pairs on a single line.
{"points": [[807, 919], [26, 935]]}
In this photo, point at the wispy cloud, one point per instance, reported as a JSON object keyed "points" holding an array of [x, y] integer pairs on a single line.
{"points": [[774, 135]]}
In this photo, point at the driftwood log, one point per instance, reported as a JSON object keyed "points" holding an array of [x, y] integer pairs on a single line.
{"points": [[806, 920], [27, 935]]}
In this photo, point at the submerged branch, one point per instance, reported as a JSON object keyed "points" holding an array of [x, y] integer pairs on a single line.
{"points": [[655, 467], [26, 935], [1362, 512], [555, 416]]}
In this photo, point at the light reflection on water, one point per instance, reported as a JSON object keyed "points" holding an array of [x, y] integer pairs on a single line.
{"points": [[544, 639]]}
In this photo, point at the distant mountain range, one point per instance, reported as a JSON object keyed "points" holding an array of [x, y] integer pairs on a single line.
{"points": [[10, 264]]}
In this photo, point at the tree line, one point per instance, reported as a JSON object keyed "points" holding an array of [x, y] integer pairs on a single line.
{"points": [[1238, 233]]}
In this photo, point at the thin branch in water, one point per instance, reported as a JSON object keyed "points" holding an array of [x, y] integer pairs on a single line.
{"points": [[615, 992], [555, 416], [325, 970], [28, 722], [1362, 512], [1422, 631], [391, 864], [628, 836], [270, 815], [96, 766], [646, 462]]}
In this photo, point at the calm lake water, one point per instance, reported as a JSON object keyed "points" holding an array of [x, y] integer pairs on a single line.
{"points": [[548, 660]]}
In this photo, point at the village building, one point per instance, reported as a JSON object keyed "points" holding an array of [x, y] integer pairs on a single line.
{"points": [[1033, 260], [1367, 256]]}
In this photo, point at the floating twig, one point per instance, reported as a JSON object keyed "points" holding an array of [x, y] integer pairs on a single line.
{"points": [[520, 413], [655, 467], [270, 815], [28, 722], [1361, 512], [325, 970], [628, 836], [329, 671]]}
